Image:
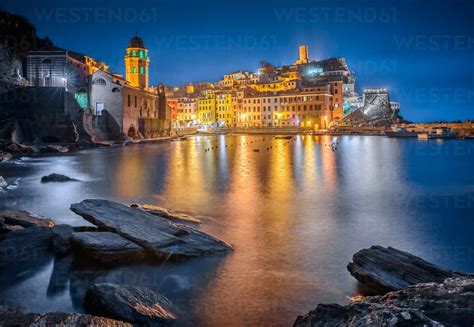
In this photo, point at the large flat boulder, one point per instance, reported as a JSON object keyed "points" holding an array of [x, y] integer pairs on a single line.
{"points": [[388, 269], [106, 248], [159, 236], [16, 317], [24, 218], [450, 303], [134, 304]]}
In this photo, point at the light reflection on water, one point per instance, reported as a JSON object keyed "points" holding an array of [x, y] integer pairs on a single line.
{"points": [[295, 214]]}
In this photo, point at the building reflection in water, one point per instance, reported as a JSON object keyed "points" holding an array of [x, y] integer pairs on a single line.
{"points": [[270, 205], [295, 214]]}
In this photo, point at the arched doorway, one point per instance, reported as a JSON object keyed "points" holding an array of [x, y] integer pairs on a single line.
{"points": [[132, 132]]}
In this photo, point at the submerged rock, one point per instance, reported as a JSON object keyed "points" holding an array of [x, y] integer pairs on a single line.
{"points": [[16, 317], [106, 248], [450, 303], [159, 236], [134, 304], [25, 218], [57, 178], [389, 269], [167, 214]]}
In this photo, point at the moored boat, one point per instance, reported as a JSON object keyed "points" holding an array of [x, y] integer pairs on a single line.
{"points": [[437, 133], [400, 132]]}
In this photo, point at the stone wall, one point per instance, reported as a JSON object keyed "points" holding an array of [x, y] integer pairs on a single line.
{"points": [[47, 114]]}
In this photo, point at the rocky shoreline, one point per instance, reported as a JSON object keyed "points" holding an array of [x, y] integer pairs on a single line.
{"points": [[122, 235], [411, 292]]}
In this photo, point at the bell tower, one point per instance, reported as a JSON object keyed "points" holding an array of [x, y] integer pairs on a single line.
{"points": [[136, 63]]}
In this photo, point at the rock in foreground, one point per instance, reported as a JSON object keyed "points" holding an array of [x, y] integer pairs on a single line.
{"points": [[389, 269], [450, 303], [57, 178], [159, 236], [26, 246], [134, 304], [25, 219], [106, 248], [16, 317]]}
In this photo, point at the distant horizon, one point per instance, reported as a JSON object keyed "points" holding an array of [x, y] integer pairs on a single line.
{"points": [[423, 57]]}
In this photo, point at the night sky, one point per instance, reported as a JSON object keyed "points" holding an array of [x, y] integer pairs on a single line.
{"points": [[422, 51]]}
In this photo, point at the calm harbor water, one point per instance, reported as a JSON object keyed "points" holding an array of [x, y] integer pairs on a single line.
{"points": [[295, 214]]}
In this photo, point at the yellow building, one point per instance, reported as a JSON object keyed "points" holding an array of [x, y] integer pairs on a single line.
{"points": [[94, 65], [224, 116], [136, 63], [275, 86], [206, 110]]}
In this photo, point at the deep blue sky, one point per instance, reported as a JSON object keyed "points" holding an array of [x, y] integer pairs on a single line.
{"points": [[423, 51]]}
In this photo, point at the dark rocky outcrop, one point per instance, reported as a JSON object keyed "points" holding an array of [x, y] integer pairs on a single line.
{"points": [[159, 236], [361, 314], [134, 304], [16, 317], [5, 156], [25, 246], [6, 228], [106, 248], [18, 149], [52, 148], [33, 244], [389, 269], [450, 303], [25, 219], [62, 235], [167, 214], [57, 178]]}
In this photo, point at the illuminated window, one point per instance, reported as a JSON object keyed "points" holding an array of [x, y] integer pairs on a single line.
{"points": [[141, 54], [134, 69], [134, 53], [142, 70], [81, 98]]}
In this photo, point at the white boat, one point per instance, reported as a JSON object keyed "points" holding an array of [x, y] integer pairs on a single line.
{"points": [[437, 133], [400, 132], [179, 138]]}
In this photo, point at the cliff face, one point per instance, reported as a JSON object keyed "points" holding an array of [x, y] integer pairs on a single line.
{"points": [[11, 71]]}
